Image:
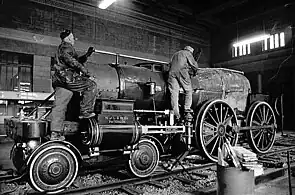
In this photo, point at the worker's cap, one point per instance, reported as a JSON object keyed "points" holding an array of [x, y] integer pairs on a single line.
{"points": [[189, 48], [64, 34]]}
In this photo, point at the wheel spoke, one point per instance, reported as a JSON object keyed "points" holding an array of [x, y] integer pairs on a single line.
{"points": [[256, 123], [266, 116], [214, 145], [259, 138], [225, 113], [261, 113], [258, 116], [254, 137], [221, 112], [271, 116], [211, 139], [214, 128], [216, 113], [212, 118], [262, 141]]}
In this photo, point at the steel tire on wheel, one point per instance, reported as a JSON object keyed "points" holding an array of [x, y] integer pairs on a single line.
{"points": [[261, 140], [53, 168], [144, 160]]}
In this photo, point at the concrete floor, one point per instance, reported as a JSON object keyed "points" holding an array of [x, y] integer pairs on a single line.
{"points": [[278, 186]]}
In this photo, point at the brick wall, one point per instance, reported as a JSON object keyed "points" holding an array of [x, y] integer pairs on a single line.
{"points": [[100, 27], [33, 27]]}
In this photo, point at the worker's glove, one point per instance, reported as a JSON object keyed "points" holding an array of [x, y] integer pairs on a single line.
{"points": [[90, 51], [193, 72]]}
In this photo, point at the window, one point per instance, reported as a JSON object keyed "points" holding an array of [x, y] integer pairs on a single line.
{"points": [[254, 45], [274, 41], [15, 71]]}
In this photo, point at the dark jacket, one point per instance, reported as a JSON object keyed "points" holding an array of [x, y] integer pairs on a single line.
{"points": [[68, 65], [182, 60]]}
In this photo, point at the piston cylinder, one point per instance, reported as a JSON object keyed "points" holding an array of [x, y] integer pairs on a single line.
{"points": [[109, 137]]}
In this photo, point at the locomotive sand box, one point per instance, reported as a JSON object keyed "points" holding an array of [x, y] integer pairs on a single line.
{"points": [[134, 126]]}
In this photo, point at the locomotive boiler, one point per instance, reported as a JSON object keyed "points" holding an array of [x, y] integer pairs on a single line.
{"points": [[134, 126]]}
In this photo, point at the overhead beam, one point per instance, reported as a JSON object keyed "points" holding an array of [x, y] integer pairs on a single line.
{"points": [[223, 7]]}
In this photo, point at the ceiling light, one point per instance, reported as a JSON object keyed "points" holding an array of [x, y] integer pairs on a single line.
{"points": [[105, 3], [251, 40]]}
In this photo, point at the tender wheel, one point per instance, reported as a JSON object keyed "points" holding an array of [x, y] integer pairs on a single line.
{"points": [[53, 169], [261, 114], [144, 160], [215, 124]]}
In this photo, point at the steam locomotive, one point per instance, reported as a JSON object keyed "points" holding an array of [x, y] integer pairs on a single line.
{"points": [[134, 127]]}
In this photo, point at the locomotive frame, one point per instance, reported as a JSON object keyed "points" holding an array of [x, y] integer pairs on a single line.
{"points": [[135, 128]]}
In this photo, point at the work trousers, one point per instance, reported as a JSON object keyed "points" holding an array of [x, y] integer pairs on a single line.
{"points": [[175, 81], [63, 95], [58, 113], [88, 90]]}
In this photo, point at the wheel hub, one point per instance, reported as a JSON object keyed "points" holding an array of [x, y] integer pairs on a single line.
{"points": [[55, 169], [221, 130], [144, 159]]}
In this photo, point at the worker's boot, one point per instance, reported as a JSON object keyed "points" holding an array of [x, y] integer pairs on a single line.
{"points": [[86, 115], [57, 136]]}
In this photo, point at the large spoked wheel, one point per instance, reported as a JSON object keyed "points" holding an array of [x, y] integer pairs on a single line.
{"points": [[261, 114], [215, 124], [144, 160], [53, 168]]}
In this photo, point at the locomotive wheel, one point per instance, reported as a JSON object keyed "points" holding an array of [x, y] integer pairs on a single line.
{"points": [[53, 169], [261, 140], [144, 160], [215, 124]]}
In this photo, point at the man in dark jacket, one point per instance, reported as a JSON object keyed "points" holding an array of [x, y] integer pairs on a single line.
{"points": [[70, 75], [181, 63]]}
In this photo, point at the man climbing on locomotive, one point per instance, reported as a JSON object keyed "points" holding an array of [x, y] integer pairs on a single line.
{"points": [[182, 62], [70, 75]]}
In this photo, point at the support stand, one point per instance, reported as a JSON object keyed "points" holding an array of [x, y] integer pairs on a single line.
{"points": [[188, 134]]}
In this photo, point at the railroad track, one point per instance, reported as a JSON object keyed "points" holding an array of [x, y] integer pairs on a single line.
{"points": [[189, 176], [129, 185]]}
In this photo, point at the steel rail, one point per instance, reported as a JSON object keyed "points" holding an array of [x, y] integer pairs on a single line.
{"points": [[128, 182], [278, 151]]}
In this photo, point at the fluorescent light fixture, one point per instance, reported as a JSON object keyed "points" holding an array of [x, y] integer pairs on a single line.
{"points": [[251, 40], [105, 3]]}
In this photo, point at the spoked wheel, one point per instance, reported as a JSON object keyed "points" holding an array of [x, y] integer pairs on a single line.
{"points": [[144, 160], [53, 168], [215, 124], [261, 114]]}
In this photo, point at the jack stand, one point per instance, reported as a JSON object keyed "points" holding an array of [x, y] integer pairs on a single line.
{"points": [[188, 121], [178, 161]]}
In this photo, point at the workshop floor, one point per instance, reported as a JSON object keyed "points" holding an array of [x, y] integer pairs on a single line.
{"points": [[278, 186]]}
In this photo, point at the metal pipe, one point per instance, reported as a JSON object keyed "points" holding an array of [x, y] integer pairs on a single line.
{"points": [[152, 111], [128, 56], [289, 172]]}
